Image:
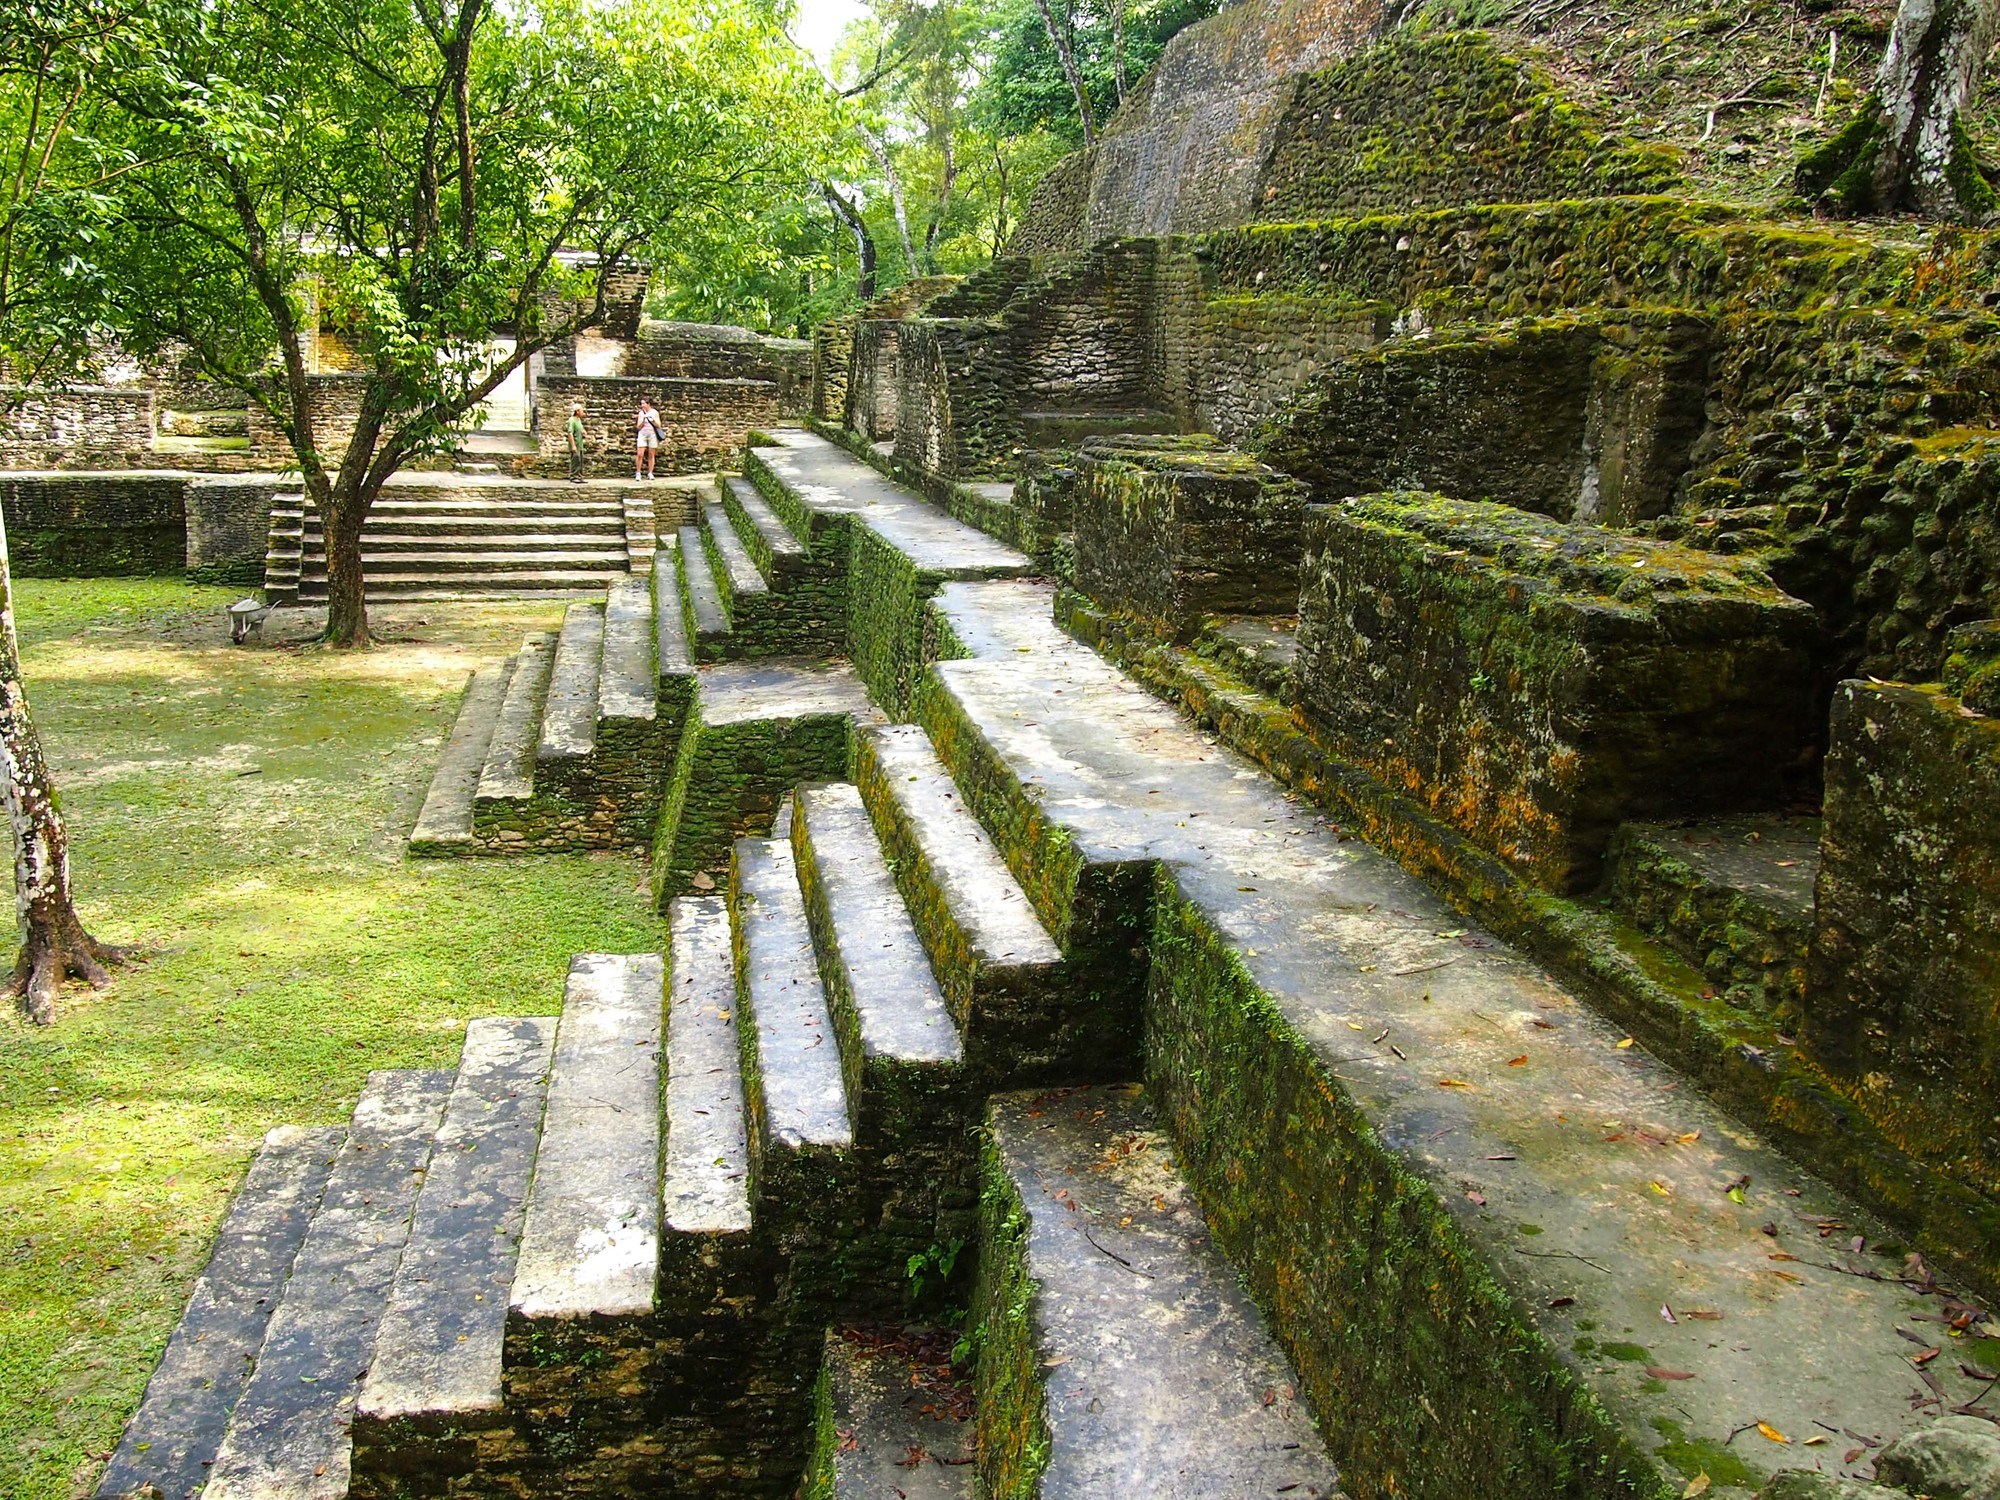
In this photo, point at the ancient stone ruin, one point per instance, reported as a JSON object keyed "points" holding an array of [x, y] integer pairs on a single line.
{"points": [[1354, 795]]}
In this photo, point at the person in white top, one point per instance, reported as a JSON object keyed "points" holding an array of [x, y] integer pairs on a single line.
{"points": [[647, 451]]}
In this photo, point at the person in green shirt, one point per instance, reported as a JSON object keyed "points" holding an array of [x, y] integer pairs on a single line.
{"points": [[574, 428]]}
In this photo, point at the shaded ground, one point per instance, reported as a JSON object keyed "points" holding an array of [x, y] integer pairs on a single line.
{"points": [[239, 812]]}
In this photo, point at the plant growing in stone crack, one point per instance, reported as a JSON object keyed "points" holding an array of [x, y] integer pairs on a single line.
{"points": [[937, 1260]]}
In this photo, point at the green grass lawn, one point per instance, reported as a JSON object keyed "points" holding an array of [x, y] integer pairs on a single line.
{"points": [[239, 814]]}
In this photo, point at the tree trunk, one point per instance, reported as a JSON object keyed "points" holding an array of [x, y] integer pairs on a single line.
{"points": [[879, 149], [346, 590], [54, 945], [1066, 55], [864, 242], [1908, 149]]}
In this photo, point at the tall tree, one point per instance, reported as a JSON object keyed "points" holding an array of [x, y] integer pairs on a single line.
{"points": [[54, 944], [426, 173], [1907, 148]]}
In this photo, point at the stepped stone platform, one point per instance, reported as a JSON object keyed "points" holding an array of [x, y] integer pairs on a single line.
{"points": [[471, 535], [1325, 1189]]}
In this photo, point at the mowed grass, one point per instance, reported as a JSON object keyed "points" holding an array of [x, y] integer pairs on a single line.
{"points": [[239, 814]]}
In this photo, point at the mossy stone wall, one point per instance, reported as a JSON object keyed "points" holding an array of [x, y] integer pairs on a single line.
{"points": [[1906, 944], [1537, 684], [1175, 529], [97, 525], [1419, 119]]}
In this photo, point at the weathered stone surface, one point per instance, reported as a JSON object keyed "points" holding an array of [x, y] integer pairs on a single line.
{"points": [[707, 621], [901, 1055], [1421, 1215], [172, 1439], [1576, 417], [798, 1100], [884, 1427], [1812, 1484], [755, 732], [569, 712], [1906, 946], [435, 1379], [1537, 683], [1173, 529], [1121, 1355], [509, 772], [591, 1236], [1733, 896], [706, 1187], [288, 1436], [1972, 665], [1957, 1459], [444, 823], [1024, 1015]]}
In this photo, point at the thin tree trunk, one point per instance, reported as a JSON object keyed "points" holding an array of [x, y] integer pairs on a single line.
{"points": [[947, 182], [1118, 46], [1059, 39], [54, 944], [879, 149], [864, 242], [1908, 149]]}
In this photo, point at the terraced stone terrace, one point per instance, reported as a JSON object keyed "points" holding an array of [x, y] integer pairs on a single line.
{"points": [[1260, 1158]]}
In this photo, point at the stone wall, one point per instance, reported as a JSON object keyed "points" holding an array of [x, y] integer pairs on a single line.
{"points": [[81, 427], [229, 526], [337, 406], [705, 420], [713, 351], [97, 525], [1577, 418], [1175, 529], [1187, 151], [1906, 947], [870, 403], [1537, 684], [1423, 120]]}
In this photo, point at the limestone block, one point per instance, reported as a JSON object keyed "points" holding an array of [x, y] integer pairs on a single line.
{"points": [[1536, 683], [1956, 1459], [1175, 528], [1906, 945]]}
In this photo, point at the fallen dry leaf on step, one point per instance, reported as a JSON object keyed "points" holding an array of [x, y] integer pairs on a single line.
{"points": [[1659, 1374], [1772, 1433], [1696, 1486]]}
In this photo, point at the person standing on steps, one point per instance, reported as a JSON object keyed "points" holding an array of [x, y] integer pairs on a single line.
{"points": [[573, 429], [647, 452]]}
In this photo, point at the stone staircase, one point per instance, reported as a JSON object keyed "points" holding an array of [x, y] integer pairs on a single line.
{"points": [[1392, 1196], [474, 535]]}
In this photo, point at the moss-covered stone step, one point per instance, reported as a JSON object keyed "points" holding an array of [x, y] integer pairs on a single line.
{"points": [[444, 823], [580, 1349], [1025, 1017], [890, 1419], [1461, 1201], [754, 731], [800, 1133], [707, 622], [901, 1054], [172, 1439], [706, 1189], [507, 779], [569, 711], [672, 650], [288, 1435], [901, 549], [433, 1398], [1733, 896], [736, 572], [1537, 683], [819, 482], [1119, 1353], [778, 551]]}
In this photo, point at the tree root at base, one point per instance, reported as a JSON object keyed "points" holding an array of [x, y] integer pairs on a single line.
{"points": [[50, 957]]}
